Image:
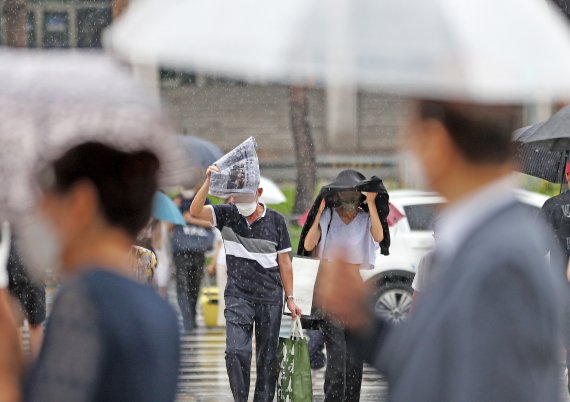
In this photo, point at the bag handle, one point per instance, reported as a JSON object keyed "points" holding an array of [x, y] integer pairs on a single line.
{"points": [[297, 329]]}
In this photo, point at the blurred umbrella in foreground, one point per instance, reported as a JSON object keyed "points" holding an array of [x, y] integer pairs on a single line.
{"points": [[164, 209], [480, 51], [52, 101], [272, 194], [543, 149]]}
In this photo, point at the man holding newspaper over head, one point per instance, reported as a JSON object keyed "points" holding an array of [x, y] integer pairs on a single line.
{"points": [[259, 269]]}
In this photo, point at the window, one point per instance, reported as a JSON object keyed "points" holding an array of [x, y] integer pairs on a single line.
{"points": [[420, 217], [90, 24], [32, 41], [56, 29]]}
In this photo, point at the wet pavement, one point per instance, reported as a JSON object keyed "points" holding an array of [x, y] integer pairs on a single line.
{"points": [[203, 375]]}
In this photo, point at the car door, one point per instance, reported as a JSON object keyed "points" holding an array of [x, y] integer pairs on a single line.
{"points": [[418, 240]]}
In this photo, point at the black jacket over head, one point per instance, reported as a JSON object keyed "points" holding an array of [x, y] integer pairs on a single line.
{"points": [[351, 180]]}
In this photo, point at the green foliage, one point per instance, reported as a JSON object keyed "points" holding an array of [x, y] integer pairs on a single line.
{"points": [[215, 200], [295, 234], [286, 208], [538, 185]]}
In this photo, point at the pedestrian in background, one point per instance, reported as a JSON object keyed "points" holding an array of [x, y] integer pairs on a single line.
{"points": [[488, 329], [189, 246], [257, 248], [108, 338], [556, 212], [344, 227]]}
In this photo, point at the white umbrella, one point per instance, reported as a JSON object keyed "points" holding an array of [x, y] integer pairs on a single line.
{"points": [[51, 101], [483, 50], [271, 192]]}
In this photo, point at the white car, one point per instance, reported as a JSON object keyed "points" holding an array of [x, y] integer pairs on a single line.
{"points": [[410, 220]]}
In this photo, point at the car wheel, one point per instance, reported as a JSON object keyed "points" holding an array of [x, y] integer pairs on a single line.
{"points": [[393, 301]]}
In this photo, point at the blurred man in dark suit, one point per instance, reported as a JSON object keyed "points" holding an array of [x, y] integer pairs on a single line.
{"points": [[487, 328]]}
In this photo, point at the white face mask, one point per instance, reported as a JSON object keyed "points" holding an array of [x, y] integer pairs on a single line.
{"points": [[246, 209], [39, 245], [188, 194]]}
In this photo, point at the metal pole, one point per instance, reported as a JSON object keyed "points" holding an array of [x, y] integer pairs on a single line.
{"points": [[341, 96]]}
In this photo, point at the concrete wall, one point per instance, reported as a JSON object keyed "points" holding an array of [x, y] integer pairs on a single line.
{"points": [[226, 114]]}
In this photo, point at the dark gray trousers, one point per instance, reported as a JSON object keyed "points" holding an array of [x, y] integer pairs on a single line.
{"points": [[316, 347], [343, 376], [189, 273], [241, 316]]}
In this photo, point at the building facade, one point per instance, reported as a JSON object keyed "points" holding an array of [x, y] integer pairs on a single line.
{"points": [[228, 113], [65, 23]]}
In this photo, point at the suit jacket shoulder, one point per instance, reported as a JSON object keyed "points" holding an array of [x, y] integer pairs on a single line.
{"points": [[494, 306]]}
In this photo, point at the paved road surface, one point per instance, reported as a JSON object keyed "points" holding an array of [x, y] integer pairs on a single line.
{"points": [[203, 375]]}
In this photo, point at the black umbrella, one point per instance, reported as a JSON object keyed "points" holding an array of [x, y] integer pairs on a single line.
{"points": [[543, 149], [201, 152], [198, 154]]}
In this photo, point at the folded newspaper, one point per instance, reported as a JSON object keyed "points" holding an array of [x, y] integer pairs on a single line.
{"points": [[239, 171]]}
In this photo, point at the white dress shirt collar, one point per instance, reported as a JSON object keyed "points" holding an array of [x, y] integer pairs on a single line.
{"points": [[459, 219]]}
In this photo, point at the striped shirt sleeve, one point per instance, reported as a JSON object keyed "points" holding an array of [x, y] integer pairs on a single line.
{"points": [[223, 215]]}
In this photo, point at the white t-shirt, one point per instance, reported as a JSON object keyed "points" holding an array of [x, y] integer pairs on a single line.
{"points": [[353, 239], [424, 273]]}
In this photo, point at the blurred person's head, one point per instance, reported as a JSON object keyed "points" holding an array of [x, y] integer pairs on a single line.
{"points": [[460, 147], [247, 203], [187, 194], [183, 200], [99, 197], [178, 200]]}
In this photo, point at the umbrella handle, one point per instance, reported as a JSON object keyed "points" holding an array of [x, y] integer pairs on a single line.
{"points": [[562, 178]]}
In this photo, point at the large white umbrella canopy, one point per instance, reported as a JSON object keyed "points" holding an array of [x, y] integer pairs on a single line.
{"points": [[484, 50], [52, 101]]}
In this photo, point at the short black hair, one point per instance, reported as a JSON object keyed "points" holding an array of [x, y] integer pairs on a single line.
{"points": [[125, 182], [482, 133]]}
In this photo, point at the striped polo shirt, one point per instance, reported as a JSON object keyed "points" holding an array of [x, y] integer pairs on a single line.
{"points": [[251, 253]]}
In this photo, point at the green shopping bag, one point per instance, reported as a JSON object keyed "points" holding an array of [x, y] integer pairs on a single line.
{"points": [[294, 383]]}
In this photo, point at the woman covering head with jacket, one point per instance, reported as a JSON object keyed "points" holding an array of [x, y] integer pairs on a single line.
{"points": [[348, 221]]}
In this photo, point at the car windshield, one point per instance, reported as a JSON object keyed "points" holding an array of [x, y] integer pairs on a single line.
{"points": [[420, 217]]}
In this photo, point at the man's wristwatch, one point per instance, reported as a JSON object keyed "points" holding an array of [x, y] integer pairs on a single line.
{"points": [[290, 297]]}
